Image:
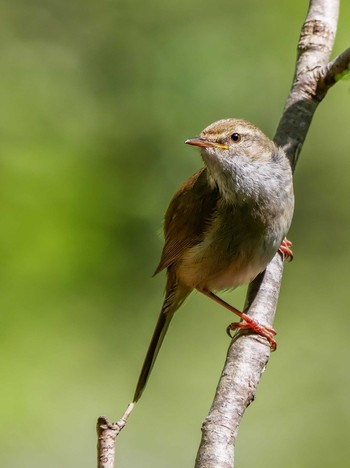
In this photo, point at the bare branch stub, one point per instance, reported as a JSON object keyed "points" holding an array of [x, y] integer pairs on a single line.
{"points": [[106, 438], [106, 434]]}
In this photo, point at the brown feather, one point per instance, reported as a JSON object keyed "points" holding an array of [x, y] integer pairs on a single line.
{"points": [[175, 294], [187, 217]]}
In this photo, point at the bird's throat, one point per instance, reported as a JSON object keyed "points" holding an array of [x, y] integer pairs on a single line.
{"points": [[243, 181]]}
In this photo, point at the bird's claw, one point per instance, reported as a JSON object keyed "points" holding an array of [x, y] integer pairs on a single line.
{"points": [[262, 330], [286, 250]]}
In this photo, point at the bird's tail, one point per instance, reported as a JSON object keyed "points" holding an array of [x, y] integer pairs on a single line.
{"points": [[174, 297]]}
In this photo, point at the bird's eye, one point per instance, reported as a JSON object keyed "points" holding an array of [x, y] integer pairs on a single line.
{"points": [[236, 137]]}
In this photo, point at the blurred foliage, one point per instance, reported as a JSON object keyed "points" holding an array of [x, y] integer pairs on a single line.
{"points": [[96, 100]]}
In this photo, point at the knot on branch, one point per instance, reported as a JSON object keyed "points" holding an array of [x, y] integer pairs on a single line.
{"points": [[315, 35]]}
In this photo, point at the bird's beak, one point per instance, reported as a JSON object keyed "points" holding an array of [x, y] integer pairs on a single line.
{"points": [[201, 142]]}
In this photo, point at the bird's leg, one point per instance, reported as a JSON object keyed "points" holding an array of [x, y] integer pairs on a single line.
{"points": [[286, 250], [247, 322]]}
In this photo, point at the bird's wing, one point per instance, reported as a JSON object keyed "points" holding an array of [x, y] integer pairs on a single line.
{"points": [[187, 217]]}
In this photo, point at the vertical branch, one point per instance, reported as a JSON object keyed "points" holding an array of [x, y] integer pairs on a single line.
{"points": [[313, 52], [249, 354]]}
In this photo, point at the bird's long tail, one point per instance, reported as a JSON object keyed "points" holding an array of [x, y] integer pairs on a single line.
{"points": [[174, 297]]}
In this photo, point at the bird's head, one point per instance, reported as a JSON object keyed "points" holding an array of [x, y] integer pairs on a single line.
{"points": [[225, 140]]}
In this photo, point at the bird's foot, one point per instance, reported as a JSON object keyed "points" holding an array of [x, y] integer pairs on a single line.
{"points": [[286, 250], [247, 322], [262, 330]]}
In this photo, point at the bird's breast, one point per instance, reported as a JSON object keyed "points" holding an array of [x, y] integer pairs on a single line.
{"points": [[236, 247]]}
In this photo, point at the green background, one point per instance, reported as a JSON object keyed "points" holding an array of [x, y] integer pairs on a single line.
{"points": [[97, 98]]}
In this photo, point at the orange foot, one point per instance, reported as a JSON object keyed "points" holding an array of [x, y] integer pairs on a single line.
{"points": [[285, 250], [262, 330], [247, 322]]}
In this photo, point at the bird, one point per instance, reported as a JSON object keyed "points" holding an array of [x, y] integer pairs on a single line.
{"points": [[224, 225]]}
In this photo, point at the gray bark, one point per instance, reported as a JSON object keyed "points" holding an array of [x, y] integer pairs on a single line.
{"points": [[248, 354]]}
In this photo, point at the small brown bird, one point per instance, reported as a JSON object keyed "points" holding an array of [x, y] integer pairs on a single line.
{"points": [[225, 224]]}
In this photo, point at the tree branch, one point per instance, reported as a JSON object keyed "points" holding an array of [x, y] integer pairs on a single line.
{"points": [[333, 72], [249, 354]]}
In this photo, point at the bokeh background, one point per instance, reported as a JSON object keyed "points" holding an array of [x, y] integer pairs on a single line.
{"points": [[97, 98]]}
